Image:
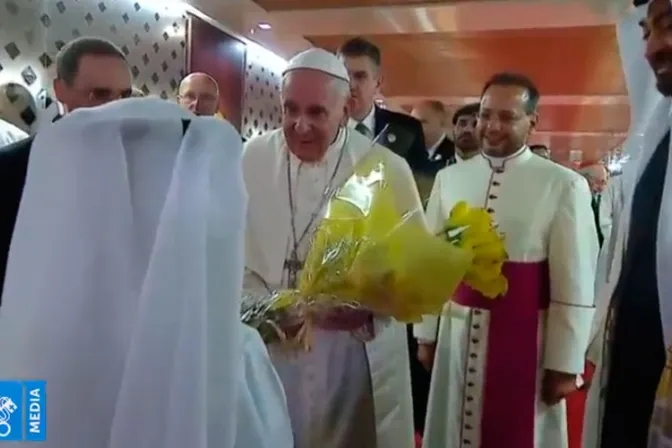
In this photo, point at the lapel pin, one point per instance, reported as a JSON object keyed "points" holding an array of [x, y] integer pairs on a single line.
{"points": [[391, 138]]}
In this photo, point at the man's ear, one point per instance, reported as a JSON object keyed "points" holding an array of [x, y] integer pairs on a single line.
{"points": [[346, 113], [59, 90], [379, 83], [534, 119]]}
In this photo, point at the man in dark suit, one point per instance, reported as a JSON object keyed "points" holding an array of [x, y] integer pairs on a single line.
{"points": [[440, 149], [89, 72], [404, 133]]}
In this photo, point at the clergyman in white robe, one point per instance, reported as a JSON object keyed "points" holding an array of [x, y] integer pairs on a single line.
{"points": [[366, 385], [491, 353], [124, 278], [344, 393]]}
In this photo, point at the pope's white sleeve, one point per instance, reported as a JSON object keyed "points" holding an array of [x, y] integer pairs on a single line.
{"points": [[263, 417], [427, 330], [572, 254]]}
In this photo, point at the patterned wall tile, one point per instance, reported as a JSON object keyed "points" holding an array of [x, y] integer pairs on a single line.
{"points": [[261, 102], [32, 32]]}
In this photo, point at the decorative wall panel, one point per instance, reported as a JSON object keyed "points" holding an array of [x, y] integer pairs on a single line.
{"points": [[32, 31], [221, 56], [261, 101]]}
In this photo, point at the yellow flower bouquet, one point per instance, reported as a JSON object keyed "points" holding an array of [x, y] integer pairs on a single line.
{"points": [[368, 258], [472, 229]]}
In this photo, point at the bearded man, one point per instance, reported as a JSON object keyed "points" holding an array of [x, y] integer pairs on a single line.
{"points": [[630, 401], [343, 393]]}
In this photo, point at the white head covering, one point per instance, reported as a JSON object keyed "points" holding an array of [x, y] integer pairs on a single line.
{"points": [[651, 115], [124, 278], [320, 60]]}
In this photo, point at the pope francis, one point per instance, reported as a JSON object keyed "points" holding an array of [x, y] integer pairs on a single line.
{"points": [[344, 393]]}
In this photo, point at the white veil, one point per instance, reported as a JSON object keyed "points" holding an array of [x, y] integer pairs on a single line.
{"points": [[124, 278]]}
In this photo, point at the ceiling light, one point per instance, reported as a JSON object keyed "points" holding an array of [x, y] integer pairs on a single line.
{"points": [[264, 26]]}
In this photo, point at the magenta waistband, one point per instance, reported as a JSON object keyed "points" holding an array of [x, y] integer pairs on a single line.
{"points": [[510, 390]]}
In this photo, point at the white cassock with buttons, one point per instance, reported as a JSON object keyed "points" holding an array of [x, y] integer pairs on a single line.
{"points": [[344, 393], [491, 353]]}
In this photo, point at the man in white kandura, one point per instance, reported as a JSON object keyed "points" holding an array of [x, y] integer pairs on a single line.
{"points": [[504, 366], [344, 393], [630, 399], [124, 280]]}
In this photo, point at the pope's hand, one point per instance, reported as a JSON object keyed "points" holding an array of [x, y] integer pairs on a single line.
{"points": [[426, 352], [556, 386]]}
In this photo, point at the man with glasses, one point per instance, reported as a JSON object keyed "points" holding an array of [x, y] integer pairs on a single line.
{"points": [[89, 72], [199, 93], [504, 366]]}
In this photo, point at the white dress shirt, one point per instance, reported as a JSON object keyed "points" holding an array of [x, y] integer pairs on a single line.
{"points": [[369, 121], [432, 149], [10, 133]]}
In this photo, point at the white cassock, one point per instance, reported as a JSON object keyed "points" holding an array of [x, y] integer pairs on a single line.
{"points": [[124, 278], [343, 393], [263, 418], [491, 354], [10, 133]]}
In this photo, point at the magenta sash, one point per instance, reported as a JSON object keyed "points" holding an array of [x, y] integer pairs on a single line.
{"points": [[510, 389]]}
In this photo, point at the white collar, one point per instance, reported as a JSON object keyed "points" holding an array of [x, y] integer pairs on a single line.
{"points": [[432, 149], [369, 121], [501, 163]]}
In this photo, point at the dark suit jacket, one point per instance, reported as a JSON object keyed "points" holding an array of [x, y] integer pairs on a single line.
{"points": [[13, 168], [442, 157], [403, 136], [426, 168]]}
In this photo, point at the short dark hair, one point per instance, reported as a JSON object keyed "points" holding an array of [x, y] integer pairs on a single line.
{"points": [[467, 109], [68, 59], [517, 80], [358, 47], [539, 147]]}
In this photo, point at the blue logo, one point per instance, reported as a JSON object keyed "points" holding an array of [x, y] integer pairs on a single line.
{"points": [[23, 411]]}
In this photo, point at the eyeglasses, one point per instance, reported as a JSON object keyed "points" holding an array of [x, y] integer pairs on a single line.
{"points": [[191, 97]]}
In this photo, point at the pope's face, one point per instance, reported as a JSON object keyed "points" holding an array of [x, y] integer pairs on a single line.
{"points": [[657, 31], [503, 122], [314, 107]]}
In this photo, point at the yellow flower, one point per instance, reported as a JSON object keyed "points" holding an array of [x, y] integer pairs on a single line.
{"points": [[486, 270], [459, 215], [473, 237], [490, 289], [492, 251]]}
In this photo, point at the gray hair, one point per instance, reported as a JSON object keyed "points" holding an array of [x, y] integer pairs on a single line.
{"points": [[68, 59], [340, 86]]}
